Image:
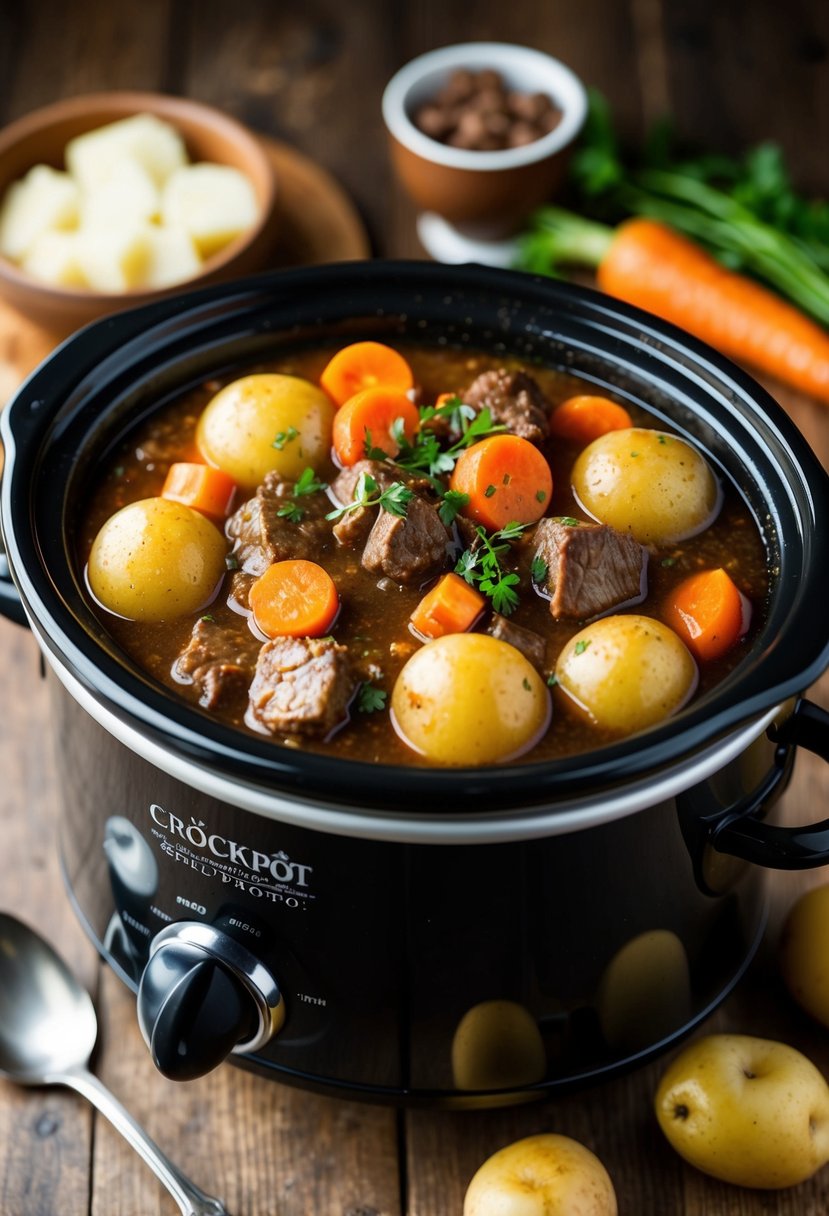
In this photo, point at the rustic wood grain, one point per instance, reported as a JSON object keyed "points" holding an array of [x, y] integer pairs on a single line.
{"points": [[311, 74]]}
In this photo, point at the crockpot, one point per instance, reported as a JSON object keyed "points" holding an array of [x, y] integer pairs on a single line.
{"points": [[427, 935]]}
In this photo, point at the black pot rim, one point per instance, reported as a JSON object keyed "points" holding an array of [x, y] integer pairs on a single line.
{"points": [[788, 655]]}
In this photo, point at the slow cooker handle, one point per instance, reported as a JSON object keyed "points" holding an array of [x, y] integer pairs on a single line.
{"points": [[743, 834]]}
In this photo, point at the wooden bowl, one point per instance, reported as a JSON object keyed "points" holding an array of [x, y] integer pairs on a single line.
{"points": [[42, 136]]}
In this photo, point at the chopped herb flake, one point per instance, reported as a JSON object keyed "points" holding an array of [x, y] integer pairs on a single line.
{"points": [[552, 680], [489, 491], [307, 483], [580, 647], [634, 453], [208, 617], [231, 562], [284, 437], [668, 562], [540, 495], [538, 570], [569, 521], [291, 512], [370, 699], [526, 684]]}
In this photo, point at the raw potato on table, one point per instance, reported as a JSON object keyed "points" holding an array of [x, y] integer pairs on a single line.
{"points": [[546, 1175]]}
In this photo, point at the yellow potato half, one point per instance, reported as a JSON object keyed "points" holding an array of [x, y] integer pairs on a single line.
{"points": [[155, 559], [242, 424], [650, 484], [468, 698], [627, 672]]}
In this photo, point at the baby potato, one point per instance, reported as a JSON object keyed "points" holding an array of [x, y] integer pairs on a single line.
{"points": [[156, 559], [468, 698], [653, 485], [265, 423], [626, 673]]}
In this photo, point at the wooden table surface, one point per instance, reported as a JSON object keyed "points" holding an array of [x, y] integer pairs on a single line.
{"points": [[311, 74]]}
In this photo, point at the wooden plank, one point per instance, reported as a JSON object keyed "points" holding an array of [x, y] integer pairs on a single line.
{"points": [[742, 73], [309, 75], [45, 1136], [60, 49]]}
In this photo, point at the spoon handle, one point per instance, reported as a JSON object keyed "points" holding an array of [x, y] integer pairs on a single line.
{"points": [[191, 1201]]}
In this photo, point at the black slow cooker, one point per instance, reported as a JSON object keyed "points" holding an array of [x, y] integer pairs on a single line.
{"points": [[457, 936]]}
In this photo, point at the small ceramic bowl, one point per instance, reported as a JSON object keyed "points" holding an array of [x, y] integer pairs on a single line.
{"points": [[483, 196], [41, 137]]}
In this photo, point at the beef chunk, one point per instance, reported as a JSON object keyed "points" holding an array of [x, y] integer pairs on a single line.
{"points": [[263, 536], [353, 529], [514, 400], [530, 643], [590, 567], [407, 549], [302, 686], [218, 660]]}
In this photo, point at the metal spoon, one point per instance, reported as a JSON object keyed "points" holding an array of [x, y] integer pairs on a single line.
{"points": [[48, 1029]]}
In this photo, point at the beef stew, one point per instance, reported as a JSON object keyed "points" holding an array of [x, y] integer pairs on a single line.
{"points": [[387, 529]]}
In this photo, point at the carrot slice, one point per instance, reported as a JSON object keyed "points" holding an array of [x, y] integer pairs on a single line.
{"points": [[365, 365], [507, 479], [583, 419], [708, 613], [452, 606], [366, 420], [201, 487], [294, 599]]}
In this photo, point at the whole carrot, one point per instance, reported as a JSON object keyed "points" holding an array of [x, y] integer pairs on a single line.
{"points": [[649, 265]]}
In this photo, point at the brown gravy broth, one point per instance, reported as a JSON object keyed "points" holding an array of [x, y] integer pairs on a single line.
{"points": [[373, 620]]}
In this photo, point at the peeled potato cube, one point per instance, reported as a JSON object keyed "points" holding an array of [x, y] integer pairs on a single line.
{"points": [[55, 258], [153, 144], [128, 194], [214, 203], [172, 257], [44, 199], [115, 259]]}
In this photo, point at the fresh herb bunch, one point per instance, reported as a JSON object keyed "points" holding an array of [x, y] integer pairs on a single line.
{"points": [[481, 566], [744, 210]]}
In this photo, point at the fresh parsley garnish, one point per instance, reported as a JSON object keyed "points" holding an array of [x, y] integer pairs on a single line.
{"points": [[394, 499], [307, 483], [370, 699], [481, 567], [580, 647], [538, 570], [425, 454], [208, 617], [569, 521], [284, 437], [291, 512], [452, 504]]}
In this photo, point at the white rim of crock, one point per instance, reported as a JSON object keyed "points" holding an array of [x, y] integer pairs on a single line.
{"points": [[549, 76], [572, 815]]}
